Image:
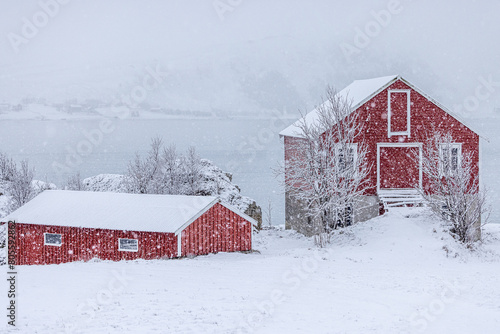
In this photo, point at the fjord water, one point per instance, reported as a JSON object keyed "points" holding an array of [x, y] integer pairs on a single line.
{"points": [[248, 148]]}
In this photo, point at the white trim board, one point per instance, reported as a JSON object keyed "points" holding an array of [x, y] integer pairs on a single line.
{"points": [[419, 145], [196, 216], [179, 244], [407, 132]]}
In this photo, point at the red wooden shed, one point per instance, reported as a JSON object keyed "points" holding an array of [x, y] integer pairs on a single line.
{"points": [[61, 226], [399, 119]]}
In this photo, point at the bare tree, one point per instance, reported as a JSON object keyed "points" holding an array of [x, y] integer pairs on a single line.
{"points": [[7, 168], [453, 190], [164, 171], [172, 169], [327, 169], [192, 174], [74, 182], [20, 188], [144, 176]]}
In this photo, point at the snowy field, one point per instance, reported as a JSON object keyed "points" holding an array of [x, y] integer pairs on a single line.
{"points": [[399, 273]]}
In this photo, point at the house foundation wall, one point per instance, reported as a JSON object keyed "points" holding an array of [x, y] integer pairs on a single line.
{"points": [[296, 218]]}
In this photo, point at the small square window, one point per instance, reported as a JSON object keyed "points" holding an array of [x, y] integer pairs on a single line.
{"points": [[128, 245], [52, 239]]}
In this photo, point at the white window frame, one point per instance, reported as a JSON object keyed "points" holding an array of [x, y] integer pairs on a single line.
{"points": [[442, 146], [128, 250], [408, 114], [354, 148], [45, 243]]}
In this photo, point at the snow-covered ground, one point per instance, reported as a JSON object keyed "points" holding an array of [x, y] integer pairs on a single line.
{"points": [[398, 273]]}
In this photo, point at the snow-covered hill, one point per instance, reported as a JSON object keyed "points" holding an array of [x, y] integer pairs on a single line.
{"points": [[398, 273]]}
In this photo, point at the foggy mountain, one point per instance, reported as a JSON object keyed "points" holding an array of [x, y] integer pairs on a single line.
{"points": [[247, 56]]}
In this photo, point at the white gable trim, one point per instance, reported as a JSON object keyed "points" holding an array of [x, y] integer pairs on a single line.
{"points": [[418, 90], [354, 108], [178, 233], [241, 214], [196, 216], [217, 200], [389, 113], [441, 106]]}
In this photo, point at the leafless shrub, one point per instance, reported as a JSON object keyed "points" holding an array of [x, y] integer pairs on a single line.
{"points": [[164, 171], [327, 169], [74, 182], [453, 190], [21, 186]]}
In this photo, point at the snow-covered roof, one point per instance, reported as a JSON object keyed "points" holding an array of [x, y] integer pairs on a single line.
{"points": [[359, 92], [115, 211]]}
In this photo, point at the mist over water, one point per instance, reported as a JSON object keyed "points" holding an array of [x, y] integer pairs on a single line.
{"points": [[58, 149], [248, 56]]}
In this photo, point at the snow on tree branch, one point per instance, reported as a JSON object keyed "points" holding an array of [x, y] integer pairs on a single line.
{"points": [[326, 169], [453, 190]]}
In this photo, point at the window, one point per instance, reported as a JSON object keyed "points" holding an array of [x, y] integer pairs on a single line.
{"points": [[449, 158], [52, 239], [128, 245], [346, 156], [398, 113]]}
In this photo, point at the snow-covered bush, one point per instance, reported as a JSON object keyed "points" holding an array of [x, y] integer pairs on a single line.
{"points": [[453, 191], [215, 182], [17, 183], [325, 172]]}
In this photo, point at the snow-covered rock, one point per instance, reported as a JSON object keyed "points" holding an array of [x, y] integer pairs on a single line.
{"points": [[214, 182], [40, 186]]}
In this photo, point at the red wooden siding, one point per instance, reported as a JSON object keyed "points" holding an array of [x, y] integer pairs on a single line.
{"points": [[217, 230], [397, 167], [399, 111], [426, 119], [83, 244]]}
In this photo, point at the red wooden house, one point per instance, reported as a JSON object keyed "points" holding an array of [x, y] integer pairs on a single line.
{"points": [[399, 118], [61, 226]]}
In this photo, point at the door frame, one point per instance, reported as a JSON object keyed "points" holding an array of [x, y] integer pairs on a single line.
{"points": [[419, 145]]}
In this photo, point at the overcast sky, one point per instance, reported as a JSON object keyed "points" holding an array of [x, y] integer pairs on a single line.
{"points": [[249, 55]]}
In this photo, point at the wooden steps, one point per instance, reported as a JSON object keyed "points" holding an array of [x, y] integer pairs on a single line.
{"points": [[391, 198]]}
